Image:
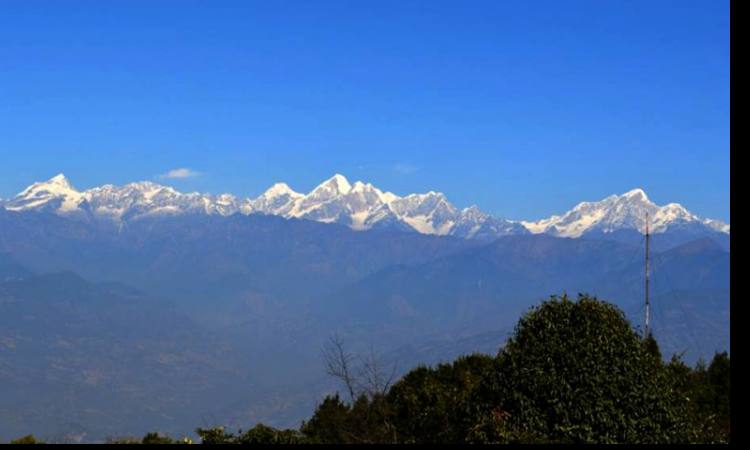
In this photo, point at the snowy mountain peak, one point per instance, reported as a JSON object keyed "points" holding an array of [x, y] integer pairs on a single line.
{"points": [[473, 212], [278, 200], [717, 225], [337, 184], [359, 186], [280, 189], [360, 206], [368, 189], [55, 194], [60, 180], [636, 194], [57, 184], [630, 210]]}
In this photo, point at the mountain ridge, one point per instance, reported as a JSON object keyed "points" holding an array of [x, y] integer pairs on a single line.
{"points": [[360, 206]]}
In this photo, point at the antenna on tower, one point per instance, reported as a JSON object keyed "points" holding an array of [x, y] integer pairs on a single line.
{"points": [[648, 276]]}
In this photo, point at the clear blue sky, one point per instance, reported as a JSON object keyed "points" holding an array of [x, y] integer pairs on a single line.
{"points": [[524, 108]]}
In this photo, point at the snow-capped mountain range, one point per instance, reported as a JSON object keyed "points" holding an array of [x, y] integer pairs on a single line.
{"points": [[630, 210], [360, 206]]}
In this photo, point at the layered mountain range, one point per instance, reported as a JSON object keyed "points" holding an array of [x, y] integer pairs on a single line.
{"points": [[360, 206], [198, 309]]}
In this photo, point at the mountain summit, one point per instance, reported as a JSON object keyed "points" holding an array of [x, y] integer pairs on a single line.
{"points": [[55, 194], [360, 206], [630, 210]]}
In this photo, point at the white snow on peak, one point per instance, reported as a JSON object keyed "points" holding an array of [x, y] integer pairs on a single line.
{"points": [[637, 193], [429, 213], [278, 200], [360, 206], [542, 225], [717, 225], [55, 194], [631, 210], [474, 214], [59, 180], [56, 184], [367, 188], [280, 189], [389, 197], [359, 186], [337, 183]]}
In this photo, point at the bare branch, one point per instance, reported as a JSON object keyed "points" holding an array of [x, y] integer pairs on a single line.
{"points": [[339, 364], [360, 375], [375, 381]]}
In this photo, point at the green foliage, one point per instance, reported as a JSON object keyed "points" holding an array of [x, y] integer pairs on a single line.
{"points": [[260, 434], [707, 391], [365, 421], [329, 422], [436, 405], [652, 348], [576, 372], [28, 439], [123, 440], [216, 435], [716, 380], [156, 438], [152, 438]]}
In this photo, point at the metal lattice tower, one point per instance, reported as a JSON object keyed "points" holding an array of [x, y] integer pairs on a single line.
{"points": [[648, 276]]}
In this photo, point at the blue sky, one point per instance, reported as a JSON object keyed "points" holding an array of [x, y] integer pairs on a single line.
{"points": [[524, 108]]}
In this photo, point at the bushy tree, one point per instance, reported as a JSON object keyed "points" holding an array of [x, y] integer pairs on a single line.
{"points": [[156, 438], [263, 434], [28, 439], [707, 392], [575, 371], [436, 404], [716, 381], [328, 423], [260, 434], [366, 421]]}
